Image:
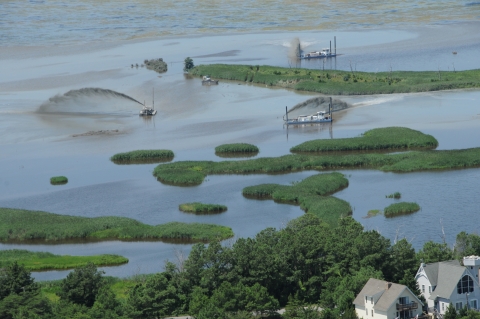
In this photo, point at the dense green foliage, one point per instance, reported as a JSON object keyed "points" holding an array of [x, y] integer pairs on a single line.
{"points": [[58, 180], [199, 208], [143, 156], [310, 194], [338, 82], [236, 148], [376, 139], [48, 261], [402, 208], [188, 64], [194, 172], [300, 267], [22, 225], [396, 195], [157, 65]]}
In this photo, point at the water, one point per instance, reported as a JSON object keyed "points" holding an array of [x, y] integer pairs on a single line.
{"points": [[58, 22], [52, 47]]}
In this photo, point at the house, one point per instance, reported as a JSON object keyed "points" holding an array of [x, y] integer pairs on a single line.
{"points": [[386, 300], [446, 282]]}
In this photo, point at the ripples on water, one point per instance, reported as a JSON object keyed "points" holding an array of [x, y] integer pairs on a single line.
{"points": [[55, 21]]}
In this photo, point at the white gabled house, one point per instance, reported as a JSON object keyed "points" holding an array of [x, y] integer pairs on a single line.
{"points": [[385, 300], [448, 282]]}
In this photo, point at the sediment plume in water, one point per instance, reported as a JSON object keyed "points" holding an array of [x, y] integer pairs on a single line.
{"points": [[295, 47], [85, 100], [320, 103]]}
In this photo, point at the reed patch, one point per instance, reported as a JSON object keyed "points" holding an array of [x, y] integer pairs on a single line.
{"points": [[143, 157], [17, 225], [311, 194], [58, 180], [336, 82], [387, 138], [36, 261], [236, 149], [402, 208], [396, 195], [201, 209]]}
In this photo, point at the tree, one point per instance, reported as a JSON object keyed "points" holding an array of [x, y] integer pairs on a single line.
{"points": [[15, 279], [156, 298], [434, 252], [451, 313], [82, 285], [188, 64], [403, 258]]}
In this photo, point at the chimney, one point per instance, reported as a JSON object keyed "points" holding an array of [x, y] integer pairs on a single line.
{"points": [[389, 284]]}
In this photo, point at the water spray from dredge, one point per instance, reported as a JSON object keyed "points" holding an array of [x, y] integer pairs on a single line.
{"points": [[87, 100]]}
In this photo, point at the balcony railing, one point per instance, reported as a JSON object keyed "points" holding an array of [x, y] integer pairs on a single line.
{"points": [[408, 306]]}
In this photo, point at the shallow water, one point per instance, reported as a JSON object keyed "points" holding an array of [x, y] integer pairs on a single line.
{"points": [[192, 119]]}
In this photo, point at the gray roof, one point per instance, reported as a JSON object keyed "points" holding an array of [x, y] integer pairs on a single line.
{"points": [[387, 298], [431, 270], [448, 275]]}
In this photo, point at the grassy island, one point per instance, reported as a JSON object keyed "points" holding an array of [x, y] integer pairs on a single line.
{"points": [[194, 172], [400, 209], [48, 261], [200, 208], [377, 139], [310, 194], [58, 180], [18, 225], [236, 149], [343, 82], [143, 156]]}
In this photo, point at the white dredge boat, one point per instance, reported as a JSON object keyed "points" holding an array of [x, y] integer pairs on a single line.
{"points": [[319, 117], [149, 111], [325, 53], [206, 80]]}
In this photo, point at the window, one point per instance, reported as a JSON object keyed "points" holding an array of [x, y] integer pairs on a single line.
{"points": [[443, 306], [423, 288], [465, 285], [371, 300], [366, 298], [458, 306], [473, 304], [403, 300], [372, 312], [366, 311], [430, 289]]}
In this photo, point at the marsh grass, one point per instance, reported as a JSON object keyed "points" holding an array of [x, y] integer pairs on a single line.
{"points": [[200, 208], [236, 148], [18, 225], [396, 195], [194, 172], [310, 194], [143, 157], [377, 139], [402, 208], [335, 82], [58, 180], [36, 261]]}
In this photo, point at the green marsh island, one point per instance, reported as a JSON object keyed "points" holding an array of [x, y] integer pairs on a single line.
{"points": [[190, 173], [17, 225], [201, 209], [143, 156], [58, 180], [236, 150], [402, 208], [336, 82], [36, 261]]}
